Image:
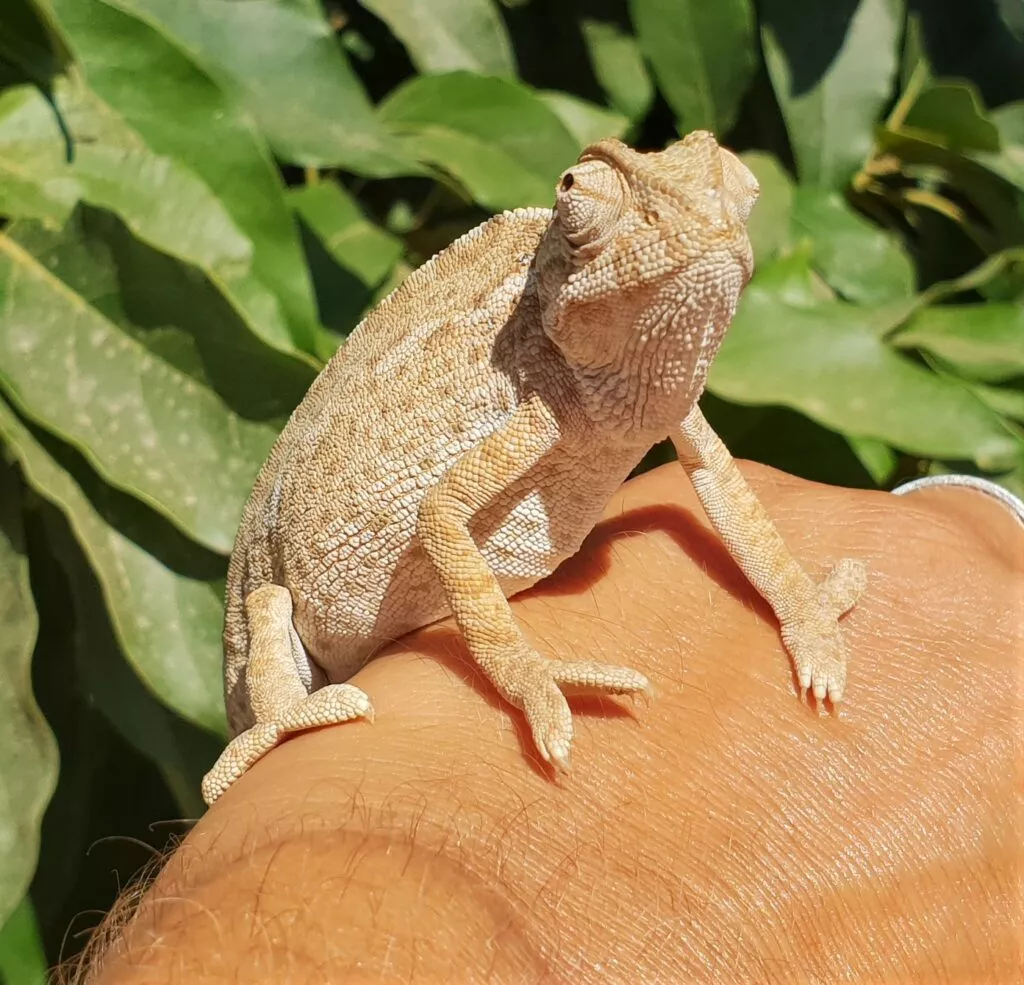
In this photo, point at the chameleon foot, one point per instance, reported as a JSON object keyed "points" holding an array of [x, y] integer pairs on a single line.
{"points": [[533, 685], [814, 638], [330, 705]]}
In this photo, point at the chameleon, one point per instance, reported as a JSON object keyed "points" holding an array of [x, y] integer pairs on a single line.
{"points": [[471, 430]]}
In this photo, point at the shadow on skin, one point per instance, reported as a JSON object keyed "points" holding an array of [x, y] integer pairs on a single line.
{"points": [[702, 546], [446, 646], [577, 575]]}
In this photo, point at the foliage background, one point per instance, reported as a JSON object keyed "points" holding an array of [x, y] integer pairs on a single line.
{"points": [[200, 198]]}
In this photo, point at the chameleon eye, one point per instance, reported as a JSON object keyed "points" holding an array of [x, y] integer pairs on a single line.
{"points": [[589, 201]]}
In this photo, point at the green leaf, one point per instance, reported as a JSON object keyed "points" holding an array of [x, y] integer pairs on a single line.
{"points": [[1013, 481], [350, 256], [28, 752], [983, 341], [825, 358], [769, 225], [359, 245], [619, 67], [148, 426], [181, 113], [167, 614], [162, 201], [497, 138], [29, 50], [980, 41], [22, 959], [877, 457], [34, 179], [914, 59], [447, 35], [832, 74], [1008, 163], [787, 441], [952, 114], [112, 167], [703, 55], [1005, 401], [281, 59], [586, 121], [975, 177], [171, 309], [859, 260], [181, 752]]}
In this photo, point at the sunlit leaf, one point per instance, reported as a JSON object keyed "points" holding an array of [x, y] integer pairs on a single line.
{"points": [[769, 225], [162, 201], [167, 615], [586, 121], [350, 256], [280, 58], [857, 259], [496, 137], [359, 245], [983, 341], [619, 67], [180, 112], [181, 752], [446, 35], [953, 114], [146, 425], [703, 55], [826, 358], [877, 457], [1009, 161], [832, 67], [1004, 400]]}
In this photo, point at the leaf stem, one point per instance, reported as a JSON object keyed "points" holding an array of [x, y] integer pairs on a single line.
{"points": [[897, 117], [916, 82]]}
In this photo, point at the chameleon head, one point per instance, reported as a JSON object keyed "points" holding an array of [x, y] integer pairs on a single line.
{"points": [[641, 271]]}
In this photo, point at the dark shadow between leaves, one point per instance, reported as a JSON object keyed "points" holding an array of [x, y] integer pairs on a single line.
{"points": [[975, 41], [132, 518], [174, 310], [810, 35], [33, 52], [341, 297], [98, 767]]}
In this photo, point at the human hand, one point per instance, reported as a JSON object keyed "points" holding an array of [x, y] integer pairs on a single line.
{"points": [[724, 831]]}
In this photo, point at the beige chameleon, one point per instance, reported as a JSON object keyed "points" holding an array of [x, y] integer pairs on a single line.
{"points": [[466, 438]]}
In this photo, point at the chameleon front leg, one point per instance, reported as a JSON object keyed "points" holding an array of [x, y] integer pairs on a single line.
{"points": [[278, 696], [807, 612], [521, 675]]}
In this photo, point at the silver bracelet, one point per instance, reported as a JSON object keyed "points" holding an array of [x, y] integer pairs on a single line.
{"points": [[1013, 503]]}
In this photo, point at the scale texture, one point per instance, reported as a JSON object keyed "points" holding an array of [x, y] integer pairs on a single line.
{"points": [[468, 435]]}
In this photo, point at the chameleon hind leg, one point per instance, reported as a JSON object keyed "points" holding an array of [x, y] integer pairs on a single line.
{"points": [[278, 695]]}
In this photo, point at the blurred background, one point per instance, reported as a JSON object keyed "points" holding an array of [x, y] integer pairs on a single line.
{"points": [[200, 198]]}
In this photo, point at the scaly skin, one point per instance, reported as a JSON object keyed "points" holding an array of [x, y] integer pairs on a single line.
{"points": [[468, 435]]}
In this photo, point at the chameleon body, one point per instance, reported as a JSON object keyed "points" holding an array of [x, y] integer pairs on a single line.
{"points": [[468, 435]]}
